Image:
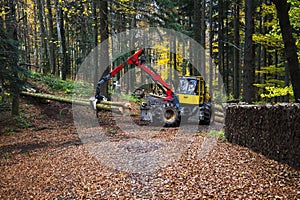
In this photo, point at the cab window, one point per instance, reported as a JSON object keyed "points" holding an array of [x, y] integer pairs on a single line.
{"points": [[188, 86]]}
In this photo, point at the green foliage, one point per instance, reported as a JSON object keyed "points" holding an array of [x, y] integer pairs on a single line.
{"points": [[81, 89], [112, 130], [130, 98], [23, 121], [274, 83], [273, 87], [294, 13], [272, 40], [55, 84], [12, 75], [272, 69], [272, 92], [9, 131], [219, 134]]}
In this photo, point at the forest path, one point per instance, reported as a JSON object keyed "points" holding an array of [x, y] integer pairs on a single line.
{"points": [[47, 160]]}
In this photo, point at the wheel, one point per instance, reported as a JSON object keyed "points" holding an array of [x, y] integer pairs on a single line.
{"points": [[207, 111], [206, 120], [171, 115]]}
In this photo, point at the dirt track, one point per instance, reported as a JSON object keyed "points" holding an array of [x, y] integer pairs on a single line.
{"points": [[48, 161]]}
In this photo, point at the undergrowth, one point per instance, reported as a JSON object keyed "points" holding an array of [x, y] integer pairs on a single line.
{"points": [[56, 84], [219, 134]]}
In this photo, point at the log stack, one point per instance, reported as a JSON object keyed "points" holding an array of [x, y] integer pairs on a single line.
{"points": [[219, 114], [273, 130]]}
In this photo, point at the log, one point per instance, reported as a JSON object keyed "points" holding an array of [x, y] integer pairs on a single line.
{"points": [[219, 108], [112, 103], [219, 119], [272, 130], [118, 109], [219, 114]]}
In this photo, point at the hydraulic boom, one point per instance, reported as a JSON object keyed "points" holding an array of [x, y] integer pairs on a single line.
{"points": [[155, 109]]}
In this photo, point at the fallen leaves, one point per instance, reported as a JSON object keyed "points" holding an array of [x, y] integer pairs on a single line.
{"points": [[52, 163]]}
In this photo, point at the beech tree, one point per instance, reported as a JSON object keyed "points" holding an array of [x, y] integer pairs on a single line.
{"points": [[249, 68], [282, 8], [56, 36], [104, 55]]}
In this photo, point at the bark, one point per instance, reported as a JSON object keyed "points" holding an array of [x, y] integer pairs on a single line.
{"points": [[11, 26], [43, 54], [24, 28], [36, 46], [96, 34], [197, 35], [249, 68], [64, 56], [211, 38], [227, 53], [52, 60], [64, 60], [104, 56], [58, 25], [220, 41], [109, 106], [203, 36], [236, 67], [289, 45]]}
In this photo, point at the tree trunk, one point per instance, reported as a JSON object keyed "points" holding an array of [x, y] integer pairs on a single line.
{"points": [[52, 60], [24, 34], [289, 44], [236, 61], [132, 74], [36, 48], [96, 34], [203, 36], [105, 105], [221, 42], [65, 64], [211, 38], [227, 54], [249, 69], [197, 36], [12, 34], [43, 54], [104, 56]]}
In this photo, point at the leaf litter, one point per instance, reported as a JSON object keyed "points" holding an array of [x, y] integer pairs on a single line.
{"points": [[49, 161]]}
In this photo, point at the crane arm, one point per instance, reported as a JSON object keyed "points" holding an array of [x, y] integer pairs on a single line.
{"points": [[132, 60]]}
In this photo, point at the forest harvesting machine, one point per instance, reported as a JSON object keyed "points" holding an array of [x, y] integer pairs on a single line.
{"points": [[192, 99]]}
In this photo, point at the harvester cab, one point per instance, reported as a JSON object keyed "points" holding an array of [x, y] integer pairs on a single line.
{"points": [[194, 99]]}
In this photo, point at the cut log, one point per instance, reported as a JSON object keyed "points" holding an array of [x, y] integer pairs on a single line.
{"points": [[219, 119], [118, 107], [219, 114], [112, 103], [219, 108]]}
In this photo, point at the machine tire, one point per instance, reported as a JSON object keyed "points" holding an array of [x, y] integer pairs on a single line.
{"points": [[207, 117], [171, 115], [206, 120]]}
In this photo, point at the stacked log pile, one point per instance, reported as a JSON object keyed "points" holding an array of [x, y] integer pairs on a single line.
{"points": [[219, 114], [273, 130]]}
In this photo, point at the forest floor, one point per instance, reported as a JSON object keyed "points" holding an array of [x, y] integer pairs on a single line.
{"points": [[46, 159]]}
